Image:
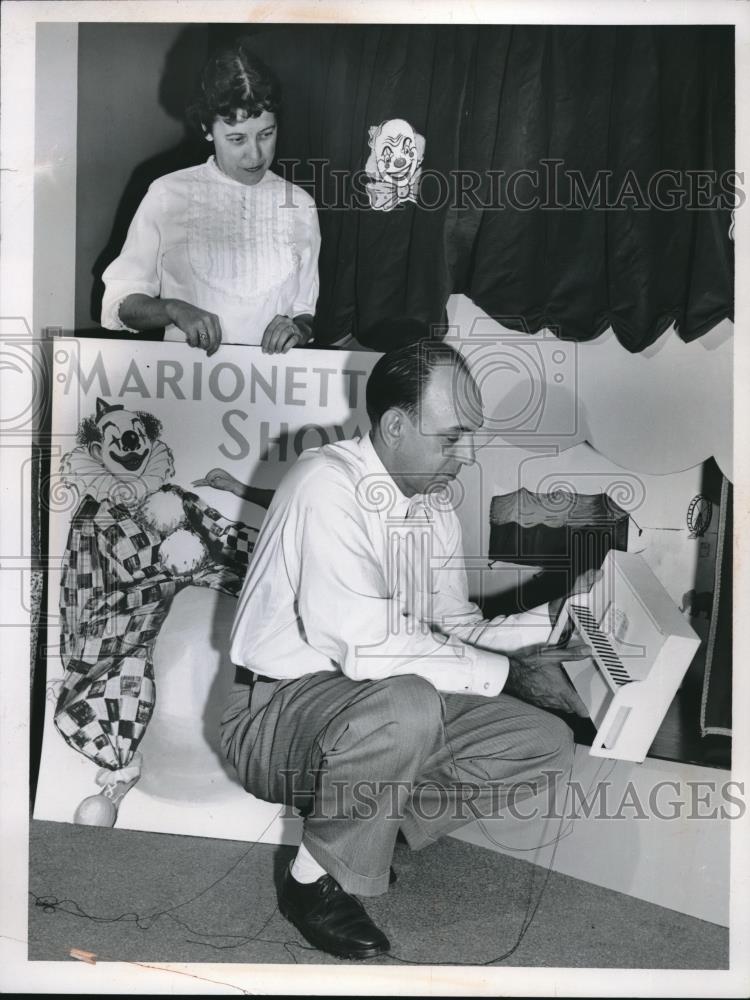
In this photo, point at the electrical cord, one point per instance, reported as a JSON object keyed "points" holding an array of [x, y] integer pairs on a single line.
{"points": [[50, 904]]}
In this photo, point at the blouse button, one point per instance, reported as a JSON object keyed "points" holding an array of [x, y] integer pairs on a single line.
{"points": [[486, 685]]}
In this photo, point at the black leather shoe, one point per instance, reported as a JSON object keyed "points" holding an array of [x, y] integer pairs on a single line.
{"points": [[330, 919]]}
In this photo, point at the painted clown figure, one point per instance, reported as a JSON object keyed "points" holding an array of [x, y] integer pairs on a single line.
{"points": [[135, 540]]}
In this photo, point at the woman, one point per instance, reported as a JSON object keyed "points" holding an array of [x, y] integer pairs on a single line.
{"points": [[225, 252]]}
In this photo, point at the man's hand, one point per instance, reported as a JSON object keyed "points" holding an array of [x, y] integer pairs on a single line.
{"points": [[582, 585], [281, 335], [201, 328], [539, 678]]}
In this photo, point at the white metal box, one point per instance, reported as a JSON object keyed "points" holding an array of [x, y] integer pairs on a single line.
{"points": [[641, 648]]}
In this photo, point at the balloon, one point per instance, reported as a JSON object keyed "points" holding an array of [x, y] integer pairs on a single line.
{"points": [[96, 810]]}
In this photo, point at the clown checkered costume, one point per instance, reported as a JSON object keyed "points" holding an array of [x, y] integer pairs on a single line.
{"points": [[115, 594]]}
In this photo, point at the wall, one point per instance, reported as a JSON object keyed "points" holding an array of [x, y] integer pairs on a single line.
{"points": [[55, 175], [133, 83], [648, 838]]}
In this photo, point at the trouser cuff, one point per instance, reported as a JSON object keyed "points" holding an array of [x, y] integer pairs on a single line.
{"points": [[350, 881], [416, 838]]}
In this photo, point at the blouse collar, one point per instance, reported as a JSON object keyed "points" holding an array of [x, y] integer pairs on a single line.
{"points": [[216, 172]]}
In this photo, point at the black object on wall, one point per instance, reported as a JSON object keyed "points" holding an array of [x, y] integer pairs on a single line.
{"points": [[562, 533], [550, 529]]}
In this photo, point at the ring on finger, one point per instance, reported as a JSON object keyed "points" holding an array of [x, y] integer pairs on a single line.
{"points": [[203, 338]]}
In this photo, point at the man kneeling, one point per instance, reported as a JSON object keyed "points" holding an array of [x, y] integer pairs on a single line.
{"points": [[370, 692]]}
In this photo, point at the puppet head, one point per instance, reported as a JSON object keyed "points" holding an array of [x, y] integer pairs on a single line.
{"points": [[396, 152]]}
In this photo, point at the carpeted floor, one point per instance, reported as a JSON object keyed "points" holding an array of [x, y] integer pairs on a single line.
{"points": [[155, 897]]}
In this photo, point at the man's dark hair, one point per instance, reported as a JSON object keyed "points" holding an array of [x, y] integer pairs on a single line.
{"points": [[400, 377]]}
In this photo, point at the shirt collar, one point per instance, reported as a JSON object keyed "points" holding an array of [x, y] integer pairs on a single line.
{"points": [[389, 502], [217, 172]]}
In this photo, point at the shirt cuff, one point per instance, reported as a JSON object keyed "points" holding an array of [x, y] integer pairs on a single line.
{"points": [[489, 671], [460, 669], [303, 309], [306, 329], [111, 316], [509, 633]]}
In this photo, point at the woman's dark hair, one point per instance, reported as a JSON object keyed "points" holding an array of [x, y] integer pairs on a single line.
{"points": [[234, 85]]}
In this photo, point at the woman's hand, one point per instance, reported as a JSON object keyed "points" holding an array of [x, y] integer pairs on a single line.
{"points": [[219, 479], [201, 328], [281, 335]]}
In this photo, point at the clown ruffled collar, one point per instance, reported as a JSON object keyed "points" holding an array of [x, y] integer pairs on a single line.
{"points": [[87, 475]]}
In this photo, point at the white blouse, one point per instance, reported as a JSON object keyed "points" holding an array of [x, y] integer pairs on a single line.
{"points": [[247, 252]]}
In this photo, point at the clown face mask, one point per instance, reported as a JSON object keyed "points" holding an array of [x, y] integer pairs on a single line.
{"points": [[396, 154], [125, 446]]}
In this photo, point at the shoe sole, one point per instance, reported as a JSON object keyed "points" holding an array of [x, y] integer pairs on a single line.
{"points": [[364, 953]]}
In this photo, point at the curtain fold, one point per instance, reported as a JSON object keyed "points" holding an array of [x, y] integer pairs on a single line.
{"points": [[555, 182]]}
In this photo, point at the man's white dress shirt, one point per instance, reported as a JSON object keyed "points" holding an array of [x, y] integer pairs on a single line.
{"points": [[349, 574]]}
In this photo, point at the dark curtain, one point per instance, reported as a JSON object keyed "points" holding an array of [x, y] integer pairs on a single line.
{"points": [[631, 101], [338, 81], [569, 116]]}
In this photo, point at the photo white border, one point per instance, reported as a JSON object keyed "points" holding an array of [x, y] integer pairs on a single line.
{"points": [[17, 156]]}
